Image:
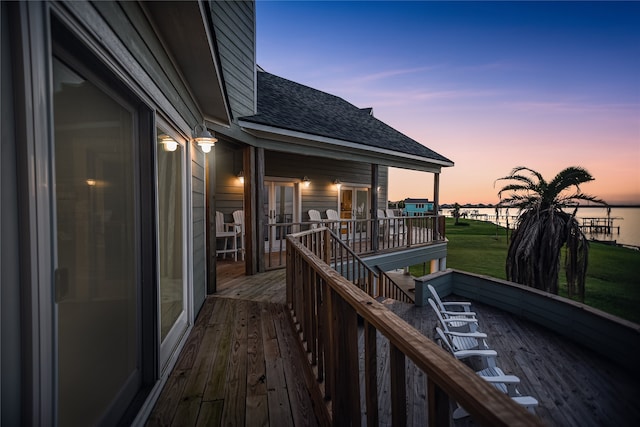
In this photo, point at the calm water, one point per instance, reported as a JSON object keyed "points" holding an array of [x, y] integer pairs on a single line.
{"points": [[628, 219]]}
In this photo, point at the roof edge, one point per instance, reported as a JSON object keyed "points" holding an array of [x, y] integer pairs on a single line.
{"points": [[251, 126]]}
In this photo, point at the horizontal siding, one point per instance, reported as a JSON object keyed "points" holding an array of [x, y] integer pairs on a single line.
{"points": [[198, 223], [228, 189], [234, 24], [322, 193]]}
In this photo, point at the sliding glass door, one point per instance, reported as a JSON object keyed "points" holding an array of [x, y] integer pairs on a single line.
{"points": [[98, 247]]}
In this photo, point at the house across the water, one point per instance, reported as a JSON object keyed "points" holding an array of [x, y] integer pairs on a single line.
{"points": [[417, 207]]}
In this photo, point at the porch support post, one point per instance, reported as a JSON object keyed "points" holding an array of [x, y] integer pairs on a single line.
{"points": [[251, 180], [436, 202], [258, 262], [375, 229], [435, 264]]}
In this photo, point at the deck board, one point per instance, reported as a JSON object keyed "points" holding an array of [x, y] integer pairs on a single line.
{"points": [[242, 365]]}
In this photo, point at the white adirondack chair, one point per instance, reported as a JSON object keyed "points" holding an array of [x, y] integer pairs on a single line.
{"points": [[315, 217], [335, 225], [238, 223], [491, 373], [455, 324], [224, 232], [451, 308]]}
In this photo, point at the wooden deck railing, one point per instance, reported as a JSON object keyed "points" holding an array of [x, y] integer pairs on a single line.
{"points": [[326, 309], [363, 236], [390, 289], [329, 247]]}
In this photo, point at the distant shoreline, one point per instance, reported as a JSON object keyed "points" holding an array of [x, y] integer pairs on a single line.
{"points": [[485, 206]]}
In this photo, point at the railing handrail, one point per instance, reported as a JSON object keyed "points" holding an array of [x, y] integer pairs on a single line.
{"points": [[485, 404], [379, 276], [363, 236]]}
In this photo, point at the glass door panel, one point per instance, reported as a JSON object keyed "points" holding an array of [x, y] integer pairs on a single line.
{"points": [[279, 210], [346, 203], [361, 209], [98, 328], [354, 204], [173, 290]]}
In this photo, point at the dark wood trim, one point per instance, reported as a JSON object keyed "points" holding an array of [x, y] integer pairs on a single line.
{"points": [[260, 198], [375, 225], [252, 184], [436, 199]]}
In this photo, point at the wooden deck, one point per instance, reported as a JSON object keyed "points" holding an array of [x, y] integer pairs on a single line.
{"points": [[241, 366], [573, 385]]}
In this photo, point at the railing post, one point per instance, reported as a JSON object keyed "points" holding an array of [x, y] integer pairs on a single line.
{"points": [[327, 246], [371, 373], [290, 270], [346, 402], [398, 387], [438, 405]]}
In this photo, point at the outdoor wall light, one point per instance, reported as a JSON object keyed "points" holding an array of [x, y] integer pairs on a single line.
{"points": [[168, 143], [306, 181], [204, 138], [241, 177], [91, 182], [337, 183]]}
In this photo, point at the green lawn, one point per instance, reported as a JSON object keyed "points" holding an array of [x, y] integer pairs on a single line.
{"points": [[613, 276]]}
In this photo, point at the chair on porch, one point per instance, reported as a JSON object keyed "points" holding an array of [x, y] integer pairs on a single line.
{"points": [[396, 224], [463, 341], [455, 323], [490, 373], [447, 307], [335, 225], [383, 225], [315, 218], [238, 228], [224, 232]]}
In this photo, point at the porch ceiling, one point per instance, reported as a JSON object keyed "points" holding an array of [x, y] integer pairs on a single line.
{"points": [[185, 30]]}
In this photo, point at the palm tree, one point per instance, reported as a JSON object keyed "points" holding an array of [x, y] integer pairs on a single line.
{"points": [[456, 212], [543, 228]]}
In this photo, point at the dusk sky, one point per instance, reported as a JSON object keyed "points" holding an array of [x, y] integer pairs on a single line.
{"points": [[489, 85]]}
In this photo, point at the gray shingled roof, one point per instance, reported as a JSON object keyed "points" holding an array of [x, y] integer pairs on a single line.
{"points": [[288, 105]]}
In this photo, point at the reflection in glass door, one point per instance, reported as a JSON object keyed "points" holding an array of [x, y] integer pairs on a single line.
{"points": [[171, 224], [97, 250], [279, 210], [354, 204]]}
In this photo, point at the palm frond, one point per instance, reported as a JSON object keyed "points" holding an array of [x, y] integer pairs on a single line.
{"points": [[579, 196], [568, 177]]}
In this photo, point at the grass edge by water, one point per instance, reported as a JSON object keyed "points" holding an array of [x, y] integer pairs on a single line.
{"points": [[612, 283]]}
